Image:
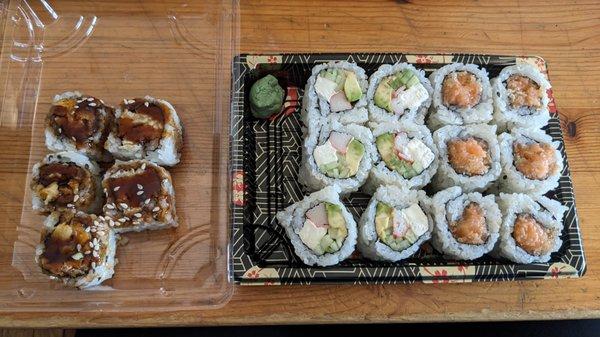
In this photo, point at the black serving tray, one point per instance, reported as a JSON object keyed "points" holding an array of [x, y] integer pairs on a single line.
{"points": [[265, 157]]}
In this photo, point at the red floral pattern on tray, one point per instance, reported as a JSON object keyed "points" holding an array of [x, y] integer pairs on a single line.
{"points": [[460, 273], [238, 188]]}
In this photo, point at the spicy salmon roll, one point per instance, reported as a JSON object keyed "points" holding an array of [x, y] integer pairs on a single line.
{"points": [[335, 90], [79, 123], [521, 97], [406, 156], [337, 154], [146, 128], [66, 181], [77, 249], [139, 196], [461, 95], [399, 92], [395, 224], [531, 227], [469, 157], [320, 228], [467, 225], [531, 162]]}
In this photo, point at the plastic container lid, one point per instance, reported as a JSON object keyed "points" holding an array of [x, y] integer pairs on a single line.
{"points": [[122, 49]]}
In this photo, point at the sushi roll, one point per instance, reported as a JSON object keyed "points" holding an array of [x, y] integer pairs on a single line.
{"points": [[531, 162], [146, 128], [531, 227], [395, 224], [399, 92], [80, 123], [139, 196], [406, 156], [320, 228], [467, 225], [66, 180], [337, 154], [469, 157], [461, 95], [337, 90], [77, 249], [521, 97]]}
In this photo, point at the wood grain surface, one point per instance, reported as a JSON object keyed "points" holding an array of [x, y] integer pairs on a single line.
{"points": [[567, 35]]}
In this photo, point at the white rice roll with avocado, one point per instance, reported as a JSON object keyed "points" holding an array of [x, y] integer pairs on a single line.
{"points": [[405, 157], [77, 249], [338, 90], [531, 227], [462, 95], [521, 97], [395, 224], [469, 157], [337, 154], [531, 162], [320, 228], [66, 181], [466, 224], [399, 92]]}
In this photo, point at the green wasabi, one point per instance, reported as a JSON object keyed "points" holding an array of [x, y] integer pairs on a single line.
{"points": [[266, 97]]}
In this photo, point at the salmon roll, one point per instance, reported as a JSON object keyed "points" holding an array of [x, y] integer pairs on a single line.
{"points": [[66, 181], [521, 97], [531, 162], [139, 196], [395, 224], [320, 228], [469, 157], [337, 154], [146, 128], [399, 92], [77, 249], [335, 90], [467, 225], [79, 123], [405, 157], [461, 95], [531, 227]]}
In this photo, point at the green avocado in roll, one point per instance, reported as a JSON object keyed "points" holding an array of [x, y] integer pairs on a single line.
{"points": [[266, 97]]}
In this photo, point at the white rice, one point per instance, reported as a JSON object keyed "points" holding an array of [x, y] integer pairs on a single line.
{"points": [[292, 219]]}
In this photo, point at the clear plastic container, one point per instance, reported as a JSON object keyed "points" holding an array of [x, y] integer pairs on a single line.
{"points": [[177, 51]]}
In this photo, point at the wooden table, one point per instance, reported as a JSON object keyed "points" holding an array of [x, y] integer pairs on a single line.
{"points": [[566, 35]]}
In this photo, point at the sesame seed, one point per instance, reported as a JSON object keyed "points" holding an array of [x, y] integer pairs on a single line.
{"points": [[123, 206], [137, 215], [91, 244], [105, 191], [70, 205], [87, 229], [93, 230], [147, 202], [146, 104], [93, 264], [116, 188], [143, 166], [140, 187], [156, 209], [76, 107], [110, 206], [79, 100], [111, 222], [101, 233], [87, 252], [96, 223], [140, 192], [59, 130], [76, 197], [90, 99], [125, 101], [122, 220], [78, 247], [92, 104]]}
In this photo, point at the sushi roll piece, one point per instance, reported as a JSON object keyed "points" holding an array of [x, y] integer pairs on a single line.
{"points": [[337, 154], [320, 228], [337, 90], [531, 227], [462, 95], [467, 225], [66, 181], [77, 249], [469, 157], [139, 196], [406, 156], [146, 128], [521, 97], [79, 123], [531, 162], [395, 224], [399, 92]]}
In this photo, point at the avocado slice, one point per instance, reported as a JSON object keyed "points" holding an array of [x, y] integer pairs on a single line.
{"points": [[383, 217], [328, 167], [383, 96], [326, 242], [412, 81], [336, 75], [405, 76], [354, 154], [337, 223], [385, 146], [352, 87]]}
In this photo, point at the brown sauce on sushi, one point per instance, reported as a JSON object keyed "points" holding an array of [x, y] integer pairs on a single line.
{"points": [[60, 182], [470, 228], [535, 160], [523, 92], [77, 119], [469, 156], [461, 89], [127, 189], [146, 126], [60, 256], [531, 235]]}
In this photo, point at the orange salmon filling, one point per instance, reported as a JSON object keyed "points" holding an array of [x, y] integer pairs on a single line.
{"points": [[534, 161], [470, 228], [531, 236], [523, 91], [461, 89], [469, 156]]}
